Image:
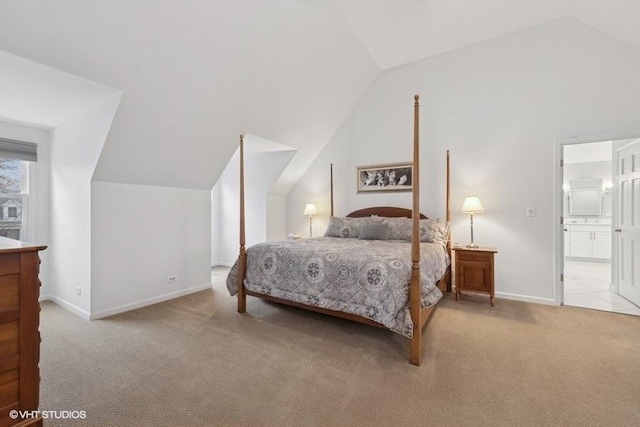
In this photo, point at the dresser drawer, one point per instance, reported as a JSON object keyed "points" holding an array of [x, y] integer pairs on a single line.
{"points": [[10, 392], [9, 339], [9, 264], [9, 292]]}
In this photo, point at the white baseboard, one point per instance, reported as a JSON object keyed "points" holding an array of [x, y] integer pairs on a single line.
{"points": [[68, 306], [222, 264], [526, 298], [148, 301]]}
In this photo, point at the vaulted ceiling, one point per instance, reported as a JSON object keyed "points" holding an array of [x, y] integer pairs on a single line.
{"points": [[196, 74], [397, 32]]}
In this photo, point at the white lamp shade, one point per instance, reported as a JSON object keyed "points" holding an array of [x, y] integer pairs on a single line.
{"points": [[310, 209], [472, 205]]}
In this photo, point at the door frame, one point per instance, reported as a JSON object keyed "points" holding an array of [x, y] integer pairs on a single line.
{"points": [[558, 204]]}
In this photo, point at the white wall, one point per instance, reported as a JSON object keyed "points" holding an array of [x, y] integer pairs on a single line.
{"points": [[499, 106], [76, 147], [141, 235], [39, 185], [215, 224], [276, 217], [262, 169]]}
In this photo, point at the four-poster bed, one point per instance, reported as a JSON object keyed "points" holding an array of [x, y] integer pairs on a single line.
{"points": [[363, 277]]}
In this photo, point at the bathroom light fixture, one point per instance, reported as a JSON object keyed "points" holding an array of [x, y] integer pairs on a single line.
{"points": [[310, 210], [472, 205]]}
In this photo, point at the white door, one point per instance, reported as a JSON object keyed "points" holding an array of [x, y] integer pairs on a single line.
{"points": [[628, 222]]}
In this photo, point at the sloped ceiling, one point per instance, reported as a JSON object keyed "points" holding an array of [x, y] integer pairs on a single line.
{"points": [[398, 32], [196, 74], [43, 96]]}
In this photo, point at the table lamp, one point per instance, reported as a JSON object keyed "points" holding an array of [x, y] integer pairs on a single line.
{"points": [[472, 205], [310, 210]]}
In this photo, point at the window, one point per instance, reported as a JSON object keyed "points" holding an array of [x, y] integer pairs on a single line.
{"points": [[14, 186], [13, 198]]}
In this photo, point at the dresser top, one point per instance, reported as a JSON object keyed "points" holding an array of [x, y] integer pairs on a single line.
{"points": [[10, 245]]}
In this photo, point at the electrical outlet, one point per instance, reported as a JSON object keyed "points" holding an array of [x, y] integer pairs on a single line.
{"points": [[78, 291], [531, 211], [172, 278]]}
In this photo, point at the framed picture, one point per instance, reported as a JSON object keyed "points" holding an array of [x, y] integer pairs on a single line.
{"points": [[389, 177]]}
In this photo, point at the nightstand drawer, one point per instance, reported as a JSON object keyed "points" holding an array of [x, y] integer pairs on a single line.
{"points": [[474, 256]]}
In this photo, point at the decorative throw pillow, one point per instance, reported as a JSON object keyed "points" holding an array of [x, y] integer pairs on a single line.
{"points": [[374, 230], [381, 228], [431, 230], [399, 228], [434, 231], [344, 227]]}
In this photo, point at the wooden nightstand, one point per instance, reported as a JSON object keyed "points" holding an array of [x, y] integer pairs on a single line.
{"points": [[474, 270]]}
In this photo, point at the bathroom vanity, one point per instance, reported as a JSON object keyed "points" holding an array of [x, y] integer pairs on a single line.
{"points": [[587, 239]]}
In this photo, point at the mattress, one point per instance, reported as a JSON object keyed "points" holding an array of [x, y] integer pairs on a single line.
{"points": [[368, 278]]}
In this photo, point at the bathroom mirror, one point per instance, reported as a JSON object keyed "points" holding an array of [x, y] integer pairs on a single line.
{"points": [[585, 202]]}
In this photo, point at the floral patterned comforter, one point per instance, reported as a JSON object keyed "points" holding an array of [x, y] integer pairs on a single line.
{"points": [[369, 278]]}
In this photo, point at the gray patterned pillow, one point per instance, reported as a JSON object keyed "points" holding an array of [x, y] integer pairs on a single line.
{"points": [[431, 230], [436, 231], [344, 227], [374, 230], [399, 228]]}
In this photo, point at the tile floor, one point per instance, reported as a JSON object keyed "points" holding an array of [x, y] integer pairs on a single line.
{"points": [[586, 284]]}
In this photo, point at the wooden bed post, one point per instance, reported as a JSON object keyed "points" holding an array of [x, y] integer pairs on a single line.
{"points": [[331, 189], [242, 258], [448, 218], [414, 290]]}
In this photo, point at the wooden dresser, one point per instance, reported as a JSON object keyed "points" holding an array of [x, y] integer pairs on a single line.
{"points": [[19, 335]]}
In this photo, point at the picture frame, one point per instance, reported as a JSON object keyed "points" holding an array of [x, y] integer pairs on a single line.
{"points": [[386, 177]]}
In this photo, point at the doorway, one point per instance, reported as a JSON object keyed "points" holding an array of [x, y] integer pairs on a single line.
{"points": [[589, 208]]}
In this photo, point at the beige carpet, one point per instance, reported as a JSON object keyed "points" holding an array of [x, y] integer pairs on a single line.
{"points": [[194, 361]]}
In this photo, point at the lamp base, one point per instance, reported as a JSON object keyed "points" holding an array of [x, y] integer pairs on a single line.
{"points": [[472, 245]]}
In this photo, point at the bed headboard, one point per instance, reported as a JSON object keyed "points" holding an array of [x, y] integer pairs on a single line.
{"points": [[387, 211]]}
